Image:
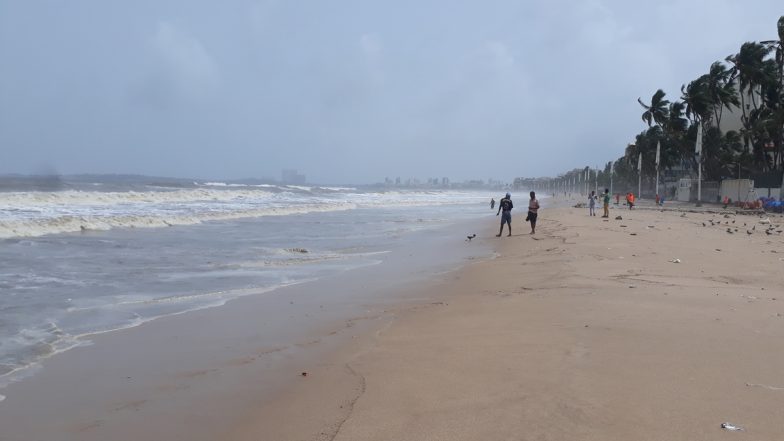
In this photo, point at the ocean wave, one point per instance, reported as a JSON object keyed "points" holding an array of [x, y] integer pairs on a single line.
{"points": [[37, 200], [72, 224], [37, 213]]}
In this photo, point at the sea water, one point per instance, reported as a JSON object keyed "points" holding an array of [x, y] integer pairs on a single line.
{"points": [[96, 257]]}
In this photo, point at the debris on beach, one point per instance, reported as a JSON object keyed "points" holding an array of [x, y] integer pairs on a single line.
{"points": [[732, 427], [683, 215], [618, 218], [675, 260], [764, 386], [297, 250], [632, 234], [765, 221], [729, 230], [470, 237], [304, 374]]}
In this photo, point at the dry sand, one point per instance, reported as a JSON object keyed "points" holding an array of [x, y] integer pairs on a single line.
{"points": [[587, 331]]}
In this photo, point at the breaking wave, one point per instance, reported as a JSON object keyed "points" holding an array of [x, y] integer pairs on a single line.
{"points": [[37, 213]]}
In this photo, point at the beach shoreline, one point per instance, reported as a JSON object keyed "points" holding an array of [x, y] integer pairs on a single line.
{"points": [[589, 330], [197, 366]]}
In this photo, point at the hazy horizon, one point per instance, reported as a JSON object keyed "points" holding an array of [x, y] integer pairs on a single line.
{"points": [[348, 91]]}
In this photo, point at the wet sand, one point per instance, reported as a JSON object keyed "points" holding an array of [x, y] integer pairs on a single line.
{"points": [[589, 331], [201, 374]]}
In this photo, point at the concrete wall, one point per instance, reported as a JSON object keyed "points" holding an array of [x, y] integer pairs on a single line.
{"points": [[737, 189]]}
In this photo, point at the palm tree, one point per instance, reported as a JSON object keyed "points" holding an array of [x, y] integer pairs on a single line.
{"points": [[697, 100], [774, 95], [778, 47], [656, 112], [748, 68], [676, 124], [721, 91]]}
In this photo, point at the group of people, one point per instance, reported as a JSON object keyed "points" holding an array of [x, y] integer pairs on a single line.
{"points": [[606, 202], [505, 207]]}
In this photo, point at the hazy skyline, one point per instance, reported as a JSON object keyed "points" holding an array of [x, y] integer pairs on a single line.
{"points": [[346, 91]]}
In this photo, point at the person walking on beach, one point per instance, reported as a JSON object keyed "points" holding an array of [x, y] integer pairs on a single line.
{"points": [[533, 212], [606, 202], [630, 200], [492, 203], [592, 204], [506, 206]]}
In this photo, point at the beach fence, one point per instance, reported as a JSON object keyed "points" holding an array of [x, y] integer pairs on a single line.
{"points": [[768, 184]]}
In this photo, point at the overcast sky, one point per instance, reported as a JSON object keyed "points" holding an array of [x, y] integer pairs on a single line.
{"points": [[346, 91]]}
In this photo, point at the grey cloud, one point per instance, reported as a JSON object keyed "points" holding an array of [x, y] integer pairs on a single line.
{"points": [[346, 91]]}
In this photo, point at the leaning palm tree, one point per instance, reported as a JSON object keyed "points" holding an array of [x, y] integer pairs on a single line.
{"points": [[748, 68], [777, 46], [697, 99], [656, 112]]}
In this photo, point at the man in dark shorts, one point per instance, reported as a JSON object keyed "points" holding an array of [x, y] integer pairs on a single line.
{"points": [[506, 206], [533, 212]]}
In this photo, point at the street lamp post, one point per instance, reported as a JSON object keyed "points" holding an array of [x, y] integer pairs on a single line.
{"points": [[698, 151], [639, 175], [611, 177]]}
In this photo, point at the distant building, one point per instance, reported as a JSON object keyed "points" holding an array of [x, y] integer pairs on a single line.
{"points": [[292, 177]]}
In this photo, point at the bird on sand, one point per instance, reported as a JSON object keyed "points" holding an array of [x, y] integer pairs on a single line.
{"points": [[470, 237]]}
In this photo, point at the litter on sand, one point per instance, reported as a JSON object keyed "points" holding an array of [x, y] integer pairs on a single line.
{"points": [[732, 427], [675, 260]]}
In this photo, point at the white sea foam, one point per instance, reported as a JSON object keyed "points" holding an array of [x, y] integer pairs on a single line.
{"points": [[36, 213]]}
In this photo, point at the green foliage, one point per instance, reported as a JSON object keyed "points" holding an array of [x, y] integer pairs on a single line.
{"points": [[751, 80]]}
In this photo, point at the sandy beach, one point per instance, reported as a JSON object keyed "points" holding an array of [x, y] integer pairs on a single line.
{"points": [[653, 327]]}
